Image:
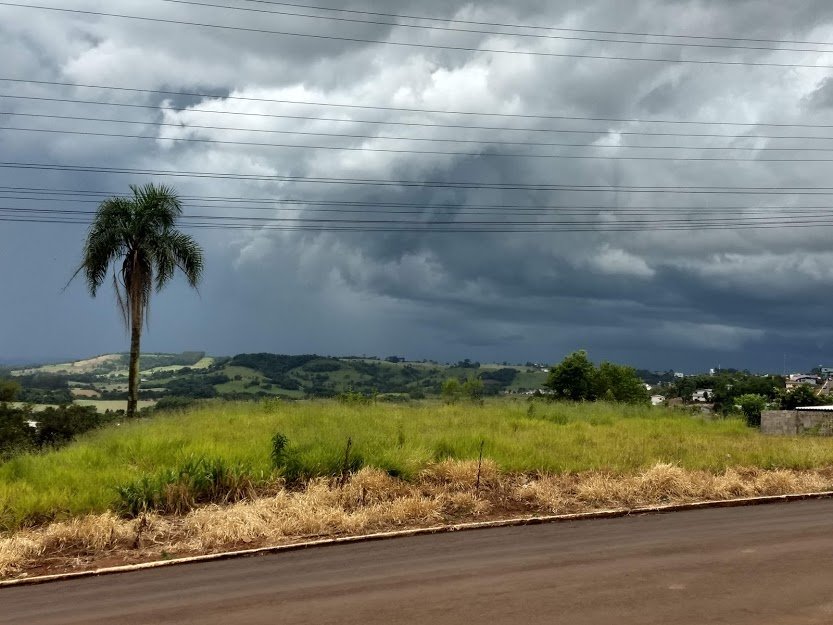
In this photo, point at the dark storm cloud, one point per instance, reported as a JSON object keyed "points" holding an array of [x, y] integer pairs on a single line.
{"points": [[654, 298]]}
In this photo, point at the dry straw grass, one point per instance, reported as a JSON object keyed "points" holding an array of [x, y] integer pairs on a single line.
{"points": [[371, 500], [663, 483]]}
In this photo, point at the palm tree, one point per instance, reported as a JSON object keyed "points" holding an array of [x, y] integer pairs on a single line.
{"points": [[137, 235]]}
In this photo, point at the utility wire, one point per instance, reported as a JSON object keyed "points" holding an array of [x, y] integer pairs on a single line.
{"points": [[736, 46], [533, 26], [219, 198], [480, 154], [602, 131], [639, 228], [438, 184], [244, 29], [226, 219], [231, 221], [487, 141], [71, 195], [459, 209], [220, 96]]}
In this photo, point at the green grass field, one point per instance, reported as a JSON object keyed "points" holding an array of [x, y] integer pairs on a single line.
{"points": [[402, 439]]}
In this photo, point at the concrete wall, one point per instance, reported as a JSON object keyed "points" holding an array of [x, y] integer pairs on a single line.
{"points": [[795, 422]]}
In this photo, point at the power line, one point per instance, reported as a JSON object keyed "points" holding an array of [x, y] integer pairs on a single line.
{"points": [[233, 219], [217, 198], [535, 26], [49, 194], [244, 29], [489, 141], [735, 46], [694, 220], [485, 153], [220, 96], [336, 207], [603, 130], [214, 198], [439, 184], [639, 228]]}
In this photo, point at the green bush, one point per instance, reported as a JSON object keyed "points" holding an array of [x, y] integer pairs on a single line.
{"points": [[176, 491], [354, 398], [9, 390], [286, 461], [451, 390], [16, 436], [174, 404], [751, 406], [59, 426]]}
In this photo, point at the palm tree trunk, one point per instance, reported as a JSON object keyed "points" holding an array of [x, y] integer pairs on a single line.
{"points": [[133, 377]]}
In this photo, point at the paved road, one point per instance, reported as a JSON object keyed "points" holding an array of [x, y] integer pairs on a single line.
{"points": [[770, 564]]}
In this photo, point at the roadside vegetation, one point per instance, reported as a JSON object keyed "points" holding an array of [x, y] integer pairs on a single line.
{"points": [[222, 452], [262, 449], [371, 500]]}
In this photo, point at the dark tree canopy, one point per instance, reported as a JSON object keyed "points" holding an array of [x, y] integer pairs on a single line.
{"points": [[577, 379], [573, 378]]}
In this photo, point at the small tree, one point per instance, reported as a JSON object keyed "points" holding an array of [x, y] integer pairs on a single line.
{"points": [[451, 390], [473, 388], [137, 237], [620, 383], [752, 406], [801, 396], [8, 391]]}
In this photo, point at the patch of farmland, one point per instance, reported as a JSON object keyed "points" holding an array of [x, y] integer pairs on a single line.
{"points": [[85, 393], [90, 365]]}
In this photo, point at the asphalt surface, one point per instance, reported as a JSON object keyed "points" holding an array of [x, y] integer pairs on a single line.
{"points": [[768, 564]]}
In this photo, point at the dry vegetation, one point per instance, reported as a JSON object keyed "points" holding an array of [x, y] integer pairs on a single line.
{"points": [[211, 479], [371, 500]]}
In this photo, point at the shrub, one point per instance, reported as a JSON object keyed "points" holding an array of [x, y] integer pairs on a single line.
{"points": [[451, 390], [9, 390], [473, 388], [354, 398], [59, 426], [395, 398], [752, 406], [174, 404], [16, 436], [176, 491], [285, 460]]}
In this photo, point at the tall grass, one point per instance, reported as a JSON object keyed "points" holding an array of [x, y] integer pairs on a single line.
{"points": [[86, 476]]}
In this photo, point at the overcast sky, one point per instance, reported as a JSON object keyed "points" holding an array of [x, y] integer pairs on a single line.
{"points": [[651, 296]]}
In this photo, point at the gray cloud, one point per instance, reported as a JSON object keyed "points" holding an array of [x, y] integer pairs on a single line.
{"points": [[655, 298]]}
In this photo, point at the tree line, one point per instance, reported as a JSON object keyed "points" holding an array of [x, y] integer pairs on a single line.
{"points": [[23, 430]]}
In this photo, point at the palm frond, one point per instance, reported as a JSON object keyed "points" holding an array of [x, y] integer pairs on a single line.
{"points": [[140, 231], [121, 300], [188, 256], [105, 243]]}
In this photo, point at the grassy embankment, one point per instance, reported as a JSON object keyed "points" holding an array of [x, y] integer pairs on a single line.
{"points": [[402, 440]]}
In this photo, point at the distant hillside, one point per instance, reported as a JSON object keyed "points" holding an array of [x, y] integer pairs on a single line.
{"points": [[193, 375], [111, 363]]}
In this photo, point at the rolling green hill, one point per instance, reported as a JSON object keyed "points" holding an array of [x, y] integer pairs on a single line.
{"points": [[103, 380]]}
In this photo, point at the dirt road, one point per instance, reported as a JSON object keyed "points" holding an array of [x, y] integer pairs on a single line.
{"points": [[769, 564]]}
